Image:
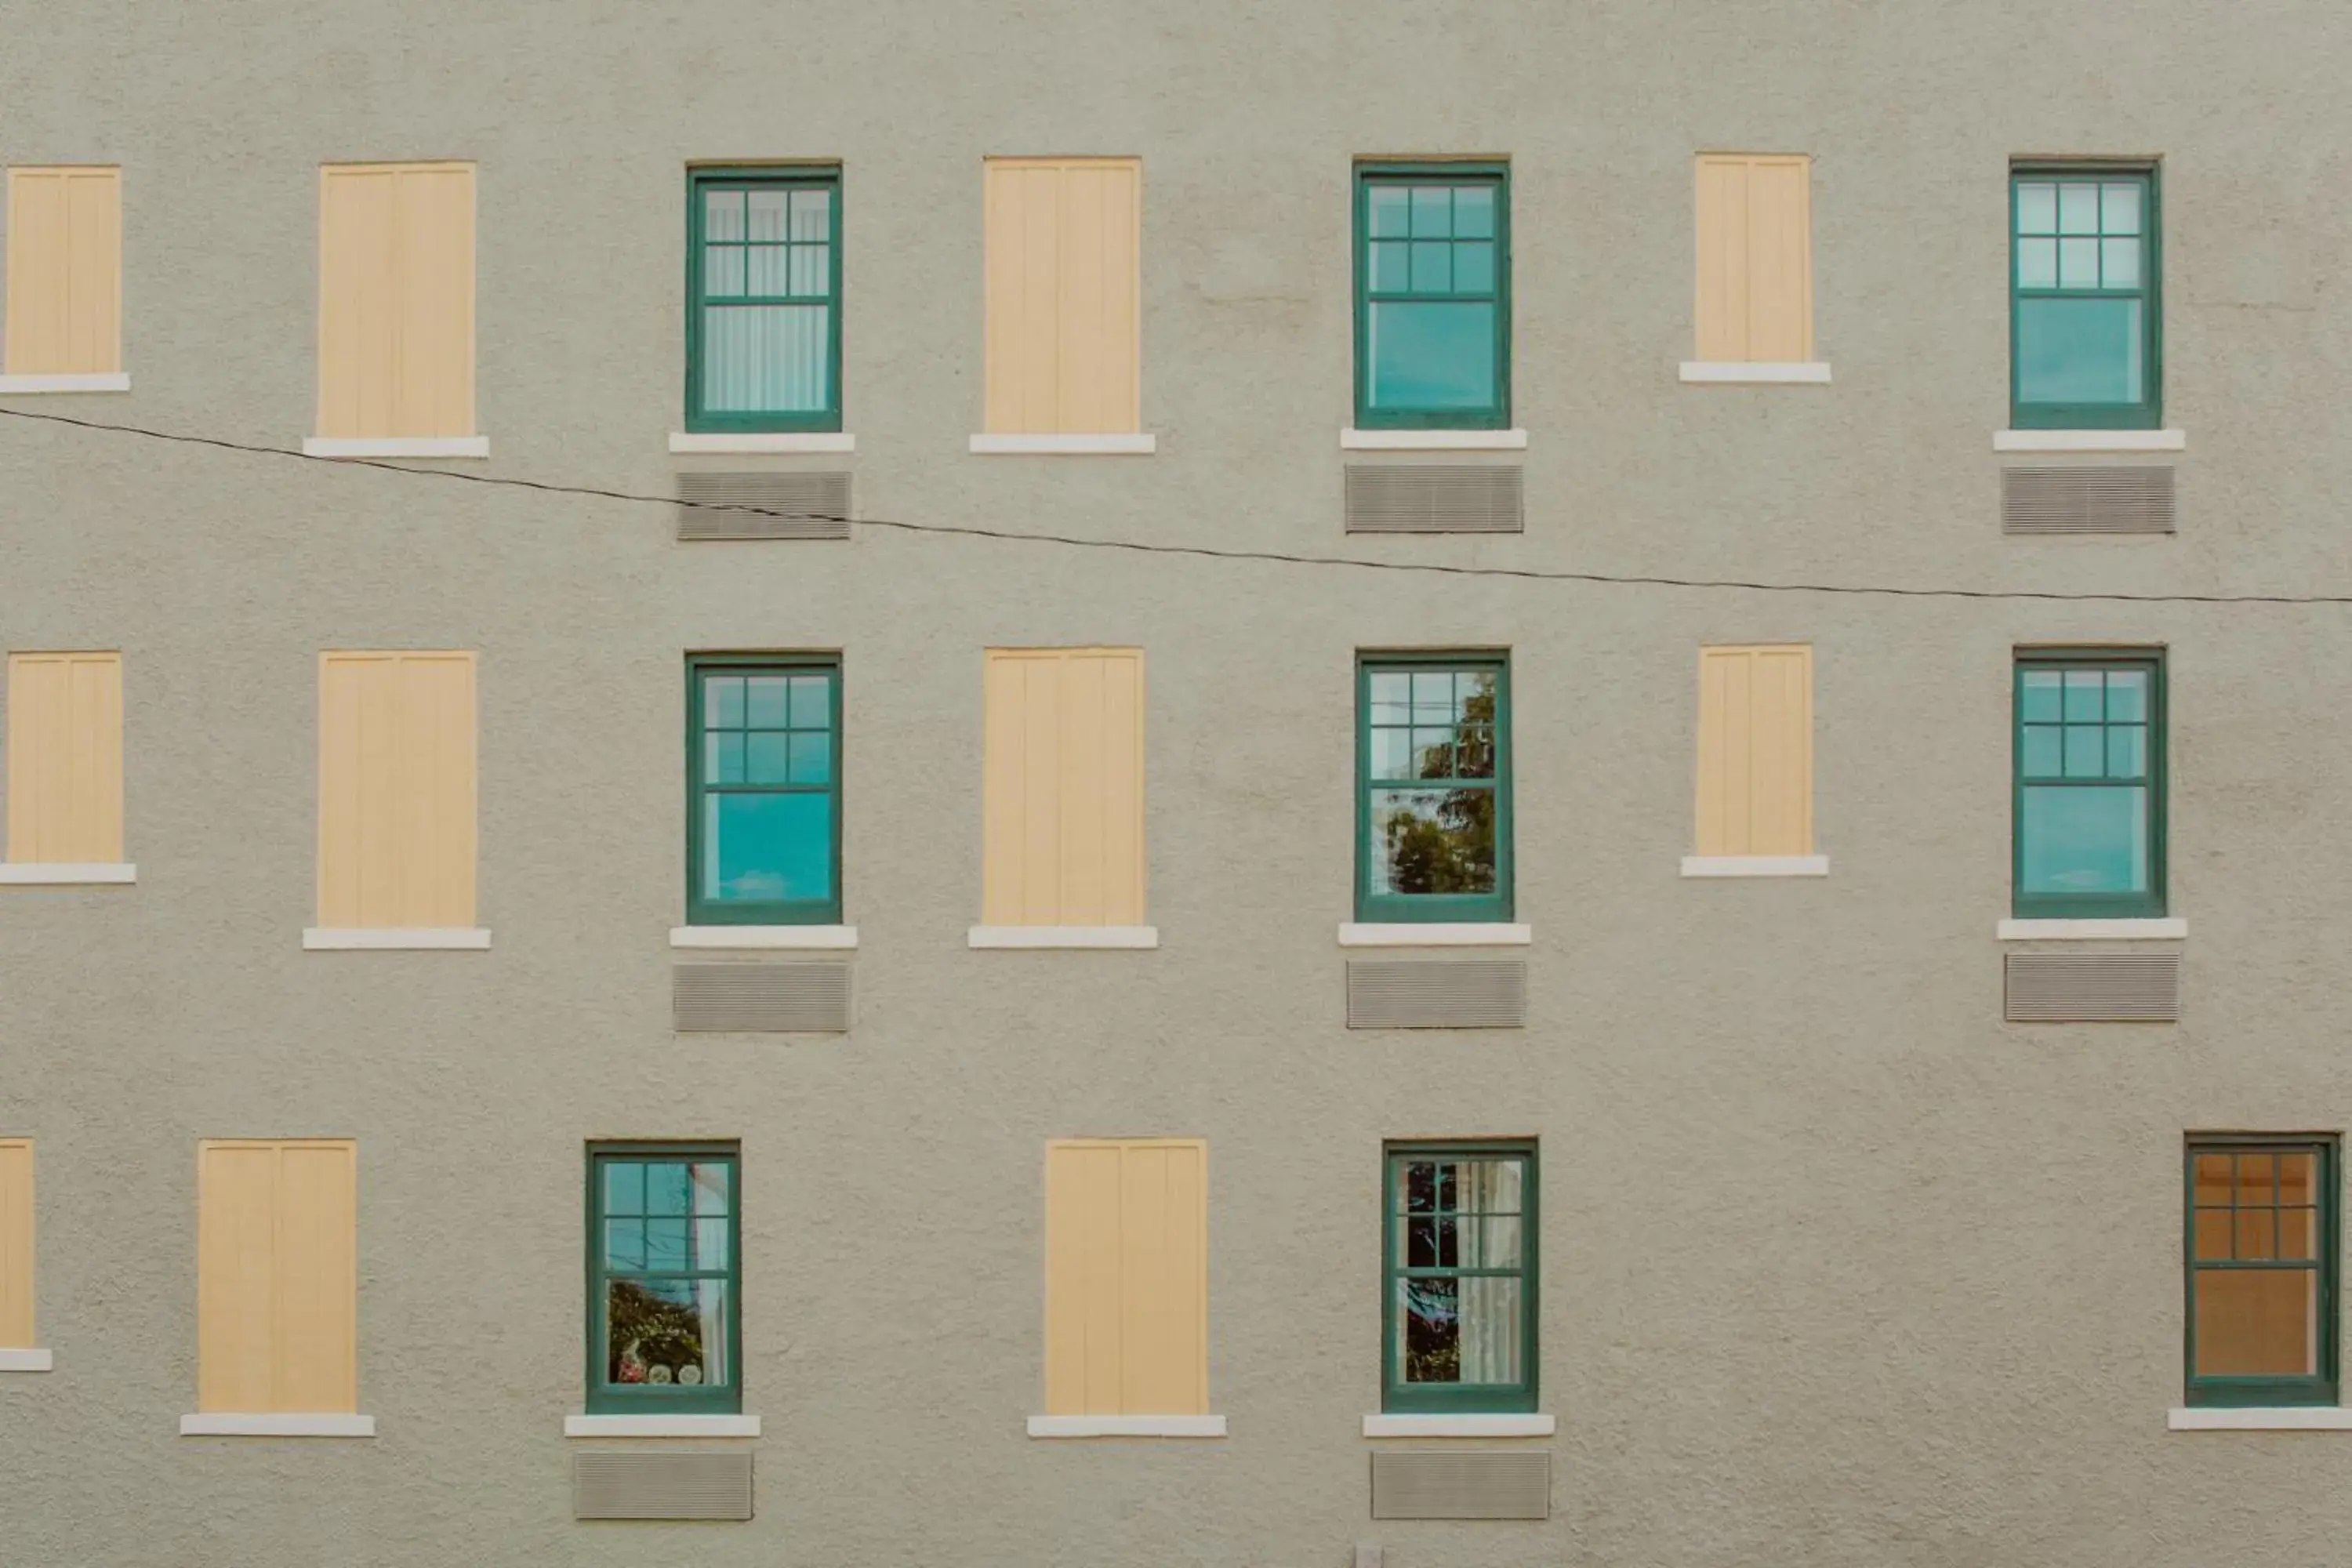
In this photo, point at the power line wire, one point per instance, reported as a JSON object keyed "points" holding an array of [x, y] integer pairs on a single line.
{"points": [[1205, 552]]}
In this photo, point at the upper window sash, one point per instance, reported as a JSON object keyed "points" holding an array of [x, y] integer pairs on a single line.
{"points": [[765, 241], [1447, 266], [1485, 778], [762, 752], [2084, 234], [2053, 739], [605, 1395], [2230, 1237]]}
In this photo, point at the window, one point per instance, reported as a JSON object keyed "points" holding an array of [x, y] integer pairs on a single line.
{"points": [[763, 299], [1433, 791], [2085, 320], [1064, 281], [63, 272], [16, 1244], [664, 1292], [763, 771], [2089, 786], [1755, 257], [396, 829], [278, 1275], [1063, 789], [65, 758], [1756, 751], [395, 300], [2262, 1271], [1458, 1254], [1127, 1281], [1432, 296]]}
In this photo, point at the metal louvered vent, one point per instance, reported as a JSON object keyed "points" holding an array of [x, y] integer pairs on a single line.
{"points": [[817, 506], [2093, 987], [1435, 498], [1482, 1483], [627, 1485], [1437, 994], [760, 998], [2097, 499]]}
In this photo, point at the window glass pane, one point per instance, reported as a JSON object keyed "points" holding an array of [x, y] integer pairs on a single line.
{"points": [[2128, 696], [710, 1245], [2040, 756], [1432, 356], [1390, 753], [767, 277], [812, 701], [722, 270], [666, 1243], [2078, 208], [2256, 1174], [1433, 697], [2085, 839], [2215, 1178], [1474, 212], [2294, 1179], [722, 760], [767, 359], [767, 215], [1421, 1186], [767, 848], [1391, 692], [764, 700], [1432, 755], [2257, 1233], [1491, 1243], [625, 1187], [722, 700], [767, 759], [1392, 266], [2085, 691], [1474, 268], [624, 1243], [1388, 210], [2078, 264], [2079, 351], [2039, 691], [2119, 268], [811, 269], [2213, 1233], [2127, 752], [1433, 267], [2087, 751], [1434, 1243], [1432, 212], [667, 1332], [723, 214], [2119, 207], [665, 1188], [2037, 208], [812, 757], [2257, 1322], [1459, 1330], [1433, 841], [2037, 264], [2298, 1234], [812, 214]]}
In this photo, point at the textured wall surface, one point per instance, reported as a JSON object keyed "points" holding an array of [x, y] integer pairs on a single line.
{"points": [[1839, 1269]]}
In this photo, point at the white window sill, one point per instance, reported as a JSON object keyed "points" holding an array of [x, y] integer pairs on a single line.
{"points": [[1063, 936], [1756, 865], [1073, 446], [748, 441], [99, 381], [27, 1361], [2259, 1418], [58, 873], [402, 938], [661, 1426], [2091, 931], [1756, 372], [1354, 440], [1436, 933], [275, 1424], [762, 936], [2089, 440], [1523, 1426], [396, 446], [1127, 1426]]}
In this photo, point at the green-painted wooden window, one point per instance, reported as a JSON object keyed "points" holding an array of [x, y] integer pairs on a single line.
{"points": [[1458, 1262], [2261, 1270], [763, 787], [2089, 837], [1432, 296], [763, 299], [1432, 787], [665, 1277], [2085, 319]]}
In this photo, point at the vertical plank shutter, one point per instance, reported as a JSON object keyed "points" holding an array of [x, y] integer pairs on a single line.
{"points": [[63, 272], [396, 791], [1756, 751], [1126, 1277], [396, 299], [1755, 257], [1063, 787], [65, 757], [1062, 290], [16, 1244], [277, 1276]]}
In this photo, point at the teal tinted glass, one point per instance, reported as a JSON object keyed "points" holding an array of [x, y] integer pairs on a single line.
{"points": [[2085, 840], [1431, 356], [1431, 310], [2079, 351], [766, 820], [2084, 332], [2088, 814], [765, 332], [768, 848]]}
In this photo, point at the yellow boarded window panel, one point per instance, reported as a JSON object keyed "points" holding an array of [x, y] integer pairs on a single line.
{"points": [[63, 272], [1064, 282], [396, 299], [396, 807], [1127, 1280], [1755, 257], [278, 1275], [16, 1244], [1063, 787], [1756, 751], [65, 758]]}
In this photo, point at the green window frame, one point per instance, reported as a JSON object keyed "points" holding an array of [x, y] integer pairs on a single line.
{"points": [[1443, 1230], [2086, 315], [1432, 255], [2088, 785], [763, 299], [763, 767], [655, 1214], [2258, 1208], [1432, 729]]}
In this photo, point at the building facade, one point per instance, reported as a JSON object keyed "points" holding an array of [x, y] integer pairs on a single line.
{"points": [[1454, 983]]}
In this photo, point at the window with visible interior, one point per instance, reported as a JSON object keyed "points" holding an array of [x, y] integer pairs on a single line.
{"points": [[1432, 296], [2085, 323], [665, 1302], [1458, 1254], [1433, 787], [763, 299], [2261, 1270], [2090, 807], [763, 778]]}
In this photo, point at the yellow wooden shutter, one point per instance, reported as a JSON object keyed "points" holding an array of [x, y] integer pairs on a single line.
{"points": [[1755, 257], [278, 1275], [396, 790], [63, 272], [1756, 751], [16, 1244], [1127, 1291], [1064, 263], [1063, 787], [65, 757], [396, 299]]}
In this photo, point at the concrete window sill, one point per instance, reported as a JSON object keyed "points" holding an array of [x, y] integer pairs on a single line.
{"points": [[2089, 440], [63, 874], [1436, 933], [743, 443], [26, 1360], [2091, 931], [1121, 445], [396, 446], [661, 1426], [1354, 440], [744, 937], [275, 1424], [1127, 1426], [1528, 1425], [473, 938], [99, 381], [1756, 372], [1756, 865], [1063, 936], [2259, 1418]]}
